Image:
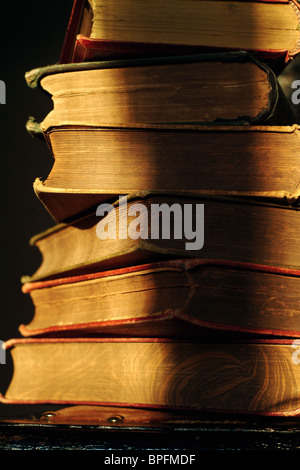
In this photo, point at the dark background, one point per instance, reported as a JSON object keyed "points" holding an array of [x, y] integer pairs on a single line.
{"points": [[32, 34]]}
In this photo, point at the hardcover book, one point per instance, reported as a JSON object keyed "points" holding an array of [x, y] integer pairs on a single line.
{"points": [[209, 88], [93, 164], [123, 28], [255, 377], [183, 298], [144, 228]]}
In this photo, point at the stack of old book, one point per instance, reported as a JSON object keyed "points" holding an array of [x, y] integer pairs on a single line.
{"points": [[171, 278]]}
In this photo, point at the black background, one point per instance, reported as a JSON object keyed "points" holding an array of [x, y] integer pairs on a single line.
{"points": [[32, 34]]}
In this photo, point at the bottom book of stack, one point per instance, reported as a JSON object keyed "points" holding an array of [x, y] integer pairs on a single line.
{"points": [[243, 376]]}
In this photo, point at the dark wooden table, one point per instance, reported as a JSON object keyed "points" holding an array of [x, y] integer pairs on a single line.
{"points": [[130, 431]]}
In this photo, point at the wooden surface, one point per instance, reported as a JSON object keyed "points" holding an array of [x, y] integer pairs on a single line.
{"points": [[185, 436]]}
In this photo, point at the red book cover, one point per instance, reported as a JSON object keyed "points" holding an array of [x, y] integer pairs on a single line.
{"points": [[189, 298], [80, 47]]}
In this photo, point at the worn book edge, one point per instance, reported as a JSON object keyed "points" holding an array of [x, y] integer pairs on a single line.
{"points": [[34, 76], [23, 341]]}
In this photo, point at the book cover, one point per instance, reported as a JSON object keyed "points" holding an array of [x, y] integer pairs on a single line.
{"points": [[152, 227], [229, 88], [183, 298], [94, 164], [126, 29], [249, 377]]}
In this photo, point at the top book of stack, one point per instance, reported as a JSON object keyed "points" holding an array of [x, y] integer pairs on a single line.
{"points": [[125, 28]]}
